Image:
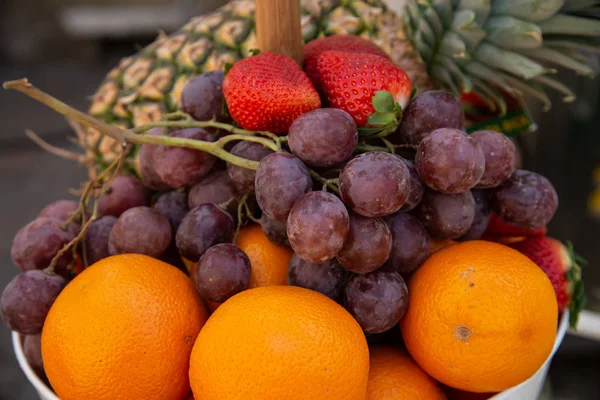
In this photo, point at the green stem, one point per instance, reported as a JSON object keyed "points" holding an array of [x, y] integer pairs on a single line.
{"points": [[368, 147], [265, 142], [329, 183]]}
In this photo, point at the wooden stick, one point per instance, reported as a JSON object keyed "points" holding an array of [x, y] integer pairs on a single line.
{"points": [[278, 27]]}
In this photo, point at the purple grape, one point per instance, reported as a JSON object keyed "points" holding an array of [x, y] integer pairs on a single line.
{"points": [[410, 243], [32, 349], [367, 246], [223, 271], [449, 161], [327, 278], [182, 167], [416, 187], [375, 184], [216, 188], [323, 137], [281, 180], [275, 230], [500, 157], [125, 192], [526, 200], [482, 216], [172, 257], [317, 226], [96, 238], [446, 216], [36, 244], [140, 230], [27, 299], [203, 227], [243, 178], [427, 112], [174, 206], [62, 210], [146, 165], [202, 97], [377, 300]]}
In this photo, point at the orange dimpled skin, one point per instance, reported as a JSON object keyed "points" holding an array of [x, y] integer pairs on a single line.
{"points": [[123, 329], [280, 342], [481, 317]]}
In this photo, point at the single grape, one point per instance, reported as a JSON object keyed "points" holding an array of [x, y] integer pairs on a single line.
{"points": [[281, 180], [32, 349], [446, 216], [62, 210], [96, 238], [377, 300], [526, 200], [215, 188], [375, 184], [140, 230], [416, 187], [367, 246], [36, 244], [427, 112], [125, 192], [275, 230], [174, 206], [323, 137], [482, 216], [243, 178], [27, 299], [223, 271], [145, 163], [182, 167], [327, 278], [449, 161], [202, 96], [317, 226], [203, 227], [500, 157], [410, 243]]}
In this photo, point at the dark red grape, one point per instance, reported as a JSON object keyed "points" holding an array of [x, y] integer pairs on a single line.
{"points": [[202, 96], [526, 200], [145, 163], [275, 230], [317, 226], [367, 245], [377, 300], [223, 271], [327, 278], [410, 243], [281, 180], [140, 230], [323, 137], [32, 349], [96, 238], [27, 299], [446, 216], [416, 187], [427, 112], [482, 216], [500, 157], [36, 244], [203, 227], [216, 188], [375, 184], [125, 192], [174, 206], [182, 167], [62, 210], [243, 178], [449, 161]]}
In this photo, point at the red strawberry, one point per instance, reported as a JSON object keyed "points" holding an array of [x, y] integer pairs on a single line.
{"points": [[267, 92], [498, 227], [350, 80], [561, 265]]}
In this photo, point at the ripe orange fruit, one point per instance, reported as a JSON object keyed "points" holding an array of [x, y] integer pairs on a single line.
{"points": [[393, 375], [269, 261], [280, 342], [482, 317], [123, 329]]}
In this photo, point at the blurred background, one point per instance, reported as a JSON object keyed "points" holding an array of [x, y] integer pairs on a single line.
{"points": [[66, 47]]}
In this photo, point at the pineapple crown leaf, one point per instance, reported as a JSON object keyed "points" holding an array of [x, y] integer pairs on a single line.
{"points": [[578, 298]]}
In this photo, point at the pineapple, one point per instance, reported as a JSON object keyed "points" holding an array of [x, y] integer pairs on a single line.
{"points": [[489, 48]]}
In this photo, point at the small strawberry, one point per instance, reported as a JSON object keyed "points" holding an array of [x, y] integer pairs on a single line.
{"points": [[562, 266], [498, 227], [267, 92]]}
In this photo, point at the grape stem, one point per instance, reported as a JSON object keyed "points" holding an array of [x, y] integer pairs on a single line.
{"points": [[327, 183]]}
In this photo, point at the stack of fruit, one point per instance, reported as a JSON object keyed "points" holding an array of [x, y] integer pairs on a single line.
{"points": [[372, 210]]}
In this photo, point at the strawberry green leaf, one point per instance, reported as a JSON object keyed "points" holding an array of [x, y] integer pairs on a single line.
{"points": [[383, 101], [227, 67], [254, 52], [578, 299], [381, 119], [413, 93]]}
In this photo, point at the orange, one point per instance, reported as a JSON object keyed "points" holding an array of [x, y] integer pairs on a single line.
{"points": [[123, 329], [269, 261], [190, 266], [393, 375], [280, 342], [482, 317]]}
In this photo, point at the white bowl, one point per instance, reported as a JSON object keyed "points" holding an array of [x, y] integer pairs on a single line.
{"points": [[528, 390]]}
